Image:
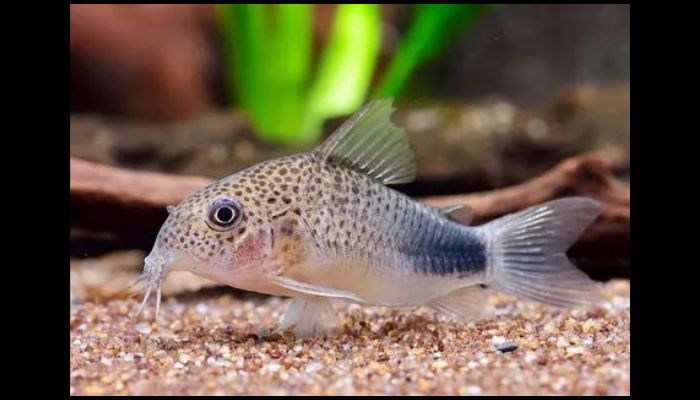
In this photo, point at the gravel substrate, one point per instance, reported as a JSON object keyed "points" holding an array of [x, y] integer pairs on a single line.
{"points": [[207, 344]]}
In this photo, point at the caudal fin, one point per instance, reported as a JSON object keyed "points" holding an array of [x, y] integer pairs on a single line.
{"points": [[527, 252]]}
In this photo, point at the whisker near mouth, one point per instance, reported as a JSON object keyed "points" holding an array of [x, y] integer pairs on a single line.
{"points": [[160, 287], [133, 288], [145, 299], [155, 270], [139, 279]]}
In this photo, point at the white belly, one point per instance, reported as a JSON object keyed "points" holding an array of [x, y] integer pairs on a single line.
{"points": [[379, 285]]}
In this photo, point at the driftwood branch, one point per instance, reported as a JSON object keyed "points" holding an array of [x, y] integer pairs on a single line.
{"points": [[130, 206], [109, 185], [119, 208]]}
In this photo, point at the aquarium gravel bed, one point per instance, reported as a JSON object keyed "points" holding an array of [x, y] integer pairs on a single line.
{"points": [[207, 342]]}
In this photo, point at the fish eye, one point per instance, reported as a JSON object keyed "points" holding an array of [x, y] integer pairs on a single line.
{"points": [[224, 214]]}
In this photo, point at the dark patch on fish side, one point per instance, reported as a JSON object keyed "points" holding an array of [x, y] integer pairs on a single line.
{"points": [[459, 253]]}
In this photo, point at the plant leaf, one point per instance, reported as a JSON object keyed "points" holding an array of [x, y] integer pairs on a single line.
{"points": [[432, 28], [346, 64], [269, 48]]}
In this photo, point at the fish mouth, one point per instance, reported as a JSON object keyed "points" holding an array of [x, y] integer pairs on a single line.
{"points": [[151, 279], [156, 268]]}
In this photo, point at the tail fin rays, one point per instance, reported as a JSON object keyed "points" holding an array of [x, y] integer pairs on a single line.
{"points": [[527, 253]]}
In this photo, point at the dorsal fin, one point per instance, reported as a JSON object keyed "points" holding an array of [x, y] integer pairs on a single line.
{"points": [[370, 143], [461, 213]]}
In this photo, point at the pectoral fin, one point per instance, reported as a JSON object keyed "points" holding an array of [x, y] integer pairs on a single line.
{"points": [[308, 288]]}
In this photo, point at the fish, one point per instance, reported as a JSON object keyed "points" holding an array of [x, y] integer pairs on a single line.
{"points": [[324, 224]]}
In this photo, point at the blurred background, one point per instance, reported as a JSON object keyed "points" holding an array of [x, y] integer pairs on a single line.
{"points": [[292, 72], [167, 62]]}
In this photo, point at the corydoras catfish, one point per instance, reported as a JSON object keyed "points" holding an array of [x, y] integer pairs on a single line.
{"points": [[323, 224]]}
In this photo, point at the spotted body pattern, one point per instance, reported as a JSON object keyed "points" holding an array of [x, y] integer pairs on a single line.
{"points": [[323, 224], [358, 218]]}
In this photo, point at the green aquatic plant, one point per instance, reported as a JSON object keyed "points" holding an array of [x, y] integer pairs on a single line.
{"points": [[434, 26], [272, 74], [268, 50]]}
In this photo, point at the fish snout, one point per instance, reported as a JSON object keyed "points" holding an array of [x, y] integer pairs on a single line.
{"points": [[153, 269], [158, 263]]}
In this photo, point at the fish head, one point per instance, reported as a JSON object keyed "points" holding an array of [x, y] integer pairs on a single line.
{"points": [[226, 228]]}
